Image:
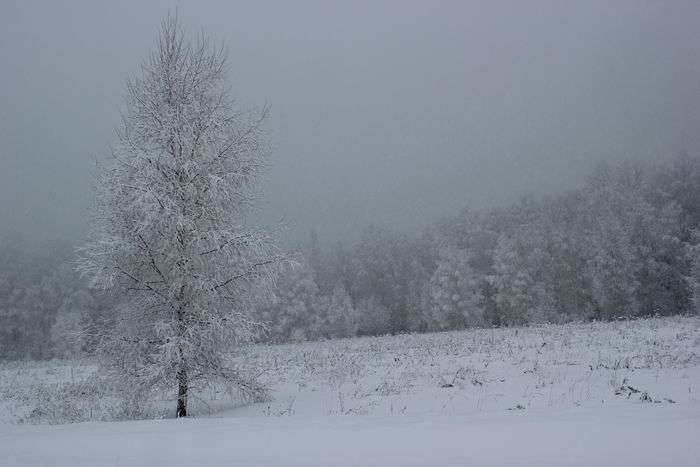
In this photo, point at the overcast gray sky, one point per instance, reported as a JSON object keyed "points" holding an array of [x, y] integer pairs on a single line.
{"points": [[398, 112]]}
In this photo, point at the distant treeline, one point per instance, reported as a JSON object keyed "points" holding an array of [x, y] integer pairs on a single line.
{"points": [[624, 245], [46, 308]]}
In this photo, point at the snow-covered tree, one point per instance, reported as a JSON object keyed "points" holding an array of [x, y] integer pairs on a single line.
{"points": [[171, 229], [637, 264], [694, 253], [335, 316], [317, 262], [374, 318], [289, 313], [677, 181], [391, 268], [34, 281], [524, 285], [455, 293], [72, 298], [539, 270], [67, 333]]}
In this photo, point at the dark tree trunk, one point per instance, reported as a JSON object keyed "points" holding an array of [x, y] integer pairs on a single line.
{"points": [[182, 383], [181, 394]]}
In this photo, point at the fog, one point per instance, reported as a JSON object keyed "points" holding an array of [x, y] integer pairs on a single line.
{"points": [[396, 113]]}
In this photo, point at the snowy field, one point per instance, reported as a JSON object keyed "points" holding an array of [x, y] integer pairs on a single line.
{"points": [[621, 393]]}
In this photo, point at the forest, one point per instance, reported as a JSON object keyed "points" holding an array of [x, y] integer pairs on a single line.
{"points": [[623, 245]]}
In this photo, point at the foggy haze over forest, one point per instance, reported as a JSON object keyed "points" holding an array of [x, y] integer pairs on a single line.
{"points": [[397, 113]]}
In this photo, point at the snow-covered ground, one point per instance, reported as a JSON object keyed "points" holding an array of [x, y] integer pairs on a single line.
{"points": [[627, 436], [621, 393]]}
